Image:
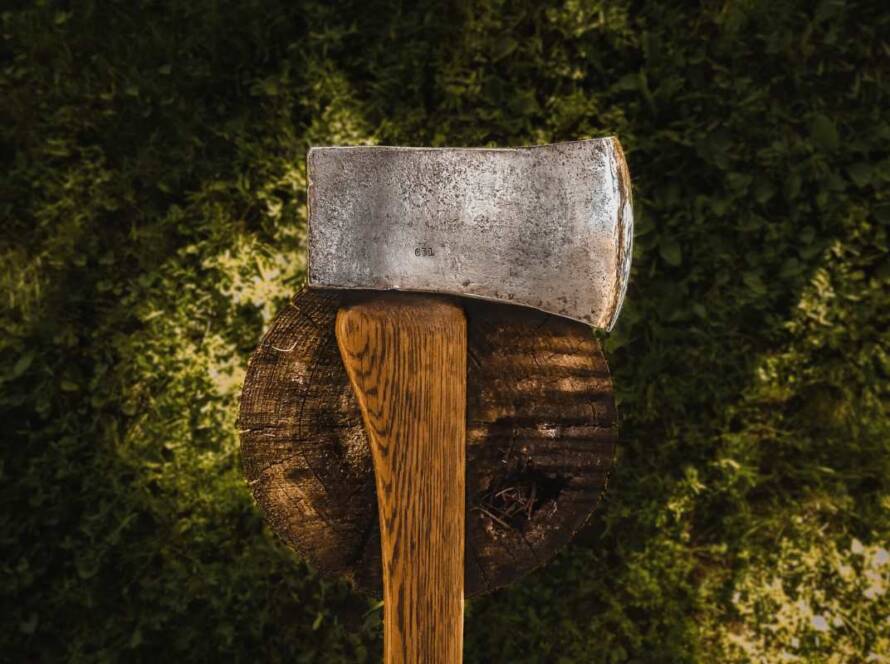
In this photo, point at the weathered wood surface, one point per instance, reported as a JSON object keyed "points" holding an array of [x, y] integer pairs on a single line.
{"points": [[406, 358], [541, 433]]}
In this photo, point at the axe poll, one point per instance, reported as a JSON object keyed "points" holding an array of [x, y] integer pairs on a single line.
{"points": [[415, 230]]}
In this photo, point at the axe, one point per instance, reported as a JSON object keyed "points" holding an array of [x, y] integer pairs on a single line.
{"points": [[415, 230]]}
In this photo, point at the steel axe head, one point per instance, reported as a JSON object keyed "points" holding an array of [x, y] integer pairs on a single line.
{"points": [[548, 227]]}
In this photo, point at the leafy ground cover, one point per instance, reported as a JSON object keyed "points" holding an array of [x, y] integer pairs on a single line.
{"points": [[152, 212]]}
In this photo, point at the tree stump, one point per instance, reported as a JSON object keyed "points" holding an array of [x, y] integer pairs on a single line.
{"points": [[541, 434]]}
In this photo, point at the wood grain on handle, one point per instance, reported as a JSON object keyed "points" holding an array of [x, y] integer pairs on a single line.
{"points": [[406, 359]]}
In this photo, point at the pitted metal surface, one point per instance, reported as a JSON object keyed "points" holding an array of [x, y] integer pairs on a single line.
{"points": [[548, 227]]}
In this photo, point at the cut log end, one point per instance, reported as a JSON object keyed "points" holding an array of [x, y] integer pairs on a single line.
{"points": [[541, 434]]}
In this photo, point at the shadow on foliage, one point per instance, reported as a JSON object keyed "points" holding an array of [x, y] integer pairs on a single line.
{"points": [[153, 193]]}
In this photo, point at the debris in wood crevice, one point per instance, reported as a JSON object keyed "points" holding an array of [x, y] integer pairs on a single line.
{"points": [[513, 498]]}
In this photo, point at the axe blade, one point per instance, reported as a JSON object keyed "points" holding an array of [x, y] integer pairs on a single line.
{"points": [[548, 227]]}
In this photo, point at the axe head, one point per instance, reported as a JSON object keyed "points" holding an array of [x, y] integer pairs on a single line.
{"points": [[548, 227]]}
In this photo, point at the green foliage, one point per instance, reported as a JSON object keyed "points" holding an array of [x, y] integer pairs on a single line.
{"points": [[152, 202]]}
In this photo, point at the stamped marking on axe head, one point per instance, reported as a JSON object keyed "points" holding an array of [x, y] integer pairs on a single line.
{"points": [[548, 227]]}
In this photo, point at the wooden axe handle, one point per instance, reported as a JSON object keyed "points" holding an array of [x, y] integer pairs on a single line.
{"points": [[406, 359]]}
